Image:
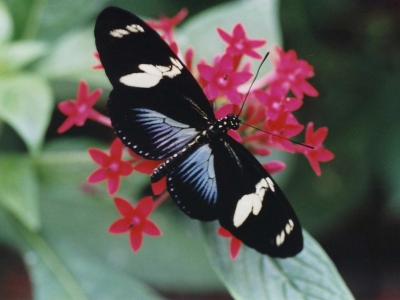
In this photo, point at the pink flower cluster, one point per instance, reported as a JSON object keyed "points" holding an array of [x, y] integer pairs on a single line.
{"points": [[269, 106]]}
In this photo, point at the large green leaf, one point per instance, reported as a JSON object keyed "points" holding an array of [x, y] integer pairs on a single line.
{"points": [[81, 278], [15, 56], [26, 105], [19, 189], [309, 275], [6, 24], [71, 59]]}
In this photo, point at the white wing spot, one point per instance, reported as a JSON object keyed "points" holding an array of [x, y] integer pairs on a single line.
{"points": [[134, 28], [152, 74], [280, 238], [250, 203], [119, 33], [271, 184]]}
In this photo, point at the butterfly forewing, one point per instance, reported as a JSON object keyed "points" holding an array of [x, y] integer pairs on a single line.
{"points": [[252, 206], [146, 74]]}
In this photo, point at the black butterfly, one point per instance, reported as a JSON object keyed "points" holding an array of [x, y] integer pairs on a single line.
{"points": [[160, 112]]}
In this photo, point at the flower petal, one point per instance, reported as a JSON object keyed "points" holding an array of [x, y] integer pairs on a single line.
{"points": [[99, 156], [67, 107], [83, 91], [308, 89], [274, 166], [159, 186], [324, 155], [207, 72], [145, 206], [234, 247], [150, 228], [94, 96], [224, 35], [135, 239], [116, 149], [224, 233], [238, 31], [125, 168], [314, 164], [97, 176], [113, 184], [319, 136], [119, 226], [124, 207], [67, 124]]}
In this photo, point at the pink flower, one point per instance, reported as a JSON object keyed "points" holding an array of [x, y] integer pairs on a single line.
{"points": [[99, 66], [275, 103], [135, 221], [319, 153], [286, 126], [239, 44], [166, 25], [80, 109], [291, 74], [222, 79], [146, 166], [112, 167], [235, 244], [274, 166]]}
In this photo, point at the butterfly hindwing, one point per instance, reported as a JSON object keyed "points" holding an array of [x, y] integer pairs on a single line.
{"points": [[193, 187], [146, 74], [251, 205]]}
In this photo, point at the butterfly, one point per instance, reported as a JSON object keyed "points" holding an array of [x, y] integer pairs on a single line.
{"points": [[159, 111]]}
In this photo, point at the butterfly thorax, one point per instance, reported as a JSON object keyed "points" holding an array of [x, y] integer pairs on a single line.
{"points": [[221, 126], [215, 130]]}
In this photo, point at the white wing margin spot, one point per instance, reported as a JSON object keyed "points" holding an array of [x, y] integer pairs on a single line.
{"points": [[152, 74], [166, 134]]}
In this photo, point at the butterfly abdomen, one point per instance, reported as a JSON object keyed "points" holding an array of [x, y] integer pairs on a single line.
{"points": [[175, 159]]}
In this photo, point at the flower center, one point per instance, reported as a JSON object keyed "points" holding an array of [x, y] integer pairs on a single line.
{"points": [[222, 81], [136, 220], [114, 166], [239, 45]]}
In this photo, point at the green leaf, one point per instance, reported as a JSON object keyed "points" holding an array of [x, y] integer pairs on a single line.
{"points": [[309, 275], [26, 105], [19, 189], [6, 24], [77, 277], [260, 20], [15, 56], [71, 59]]}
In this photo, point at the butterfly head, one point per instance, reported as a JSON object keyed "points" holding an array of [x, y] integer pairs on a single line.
{"points": [[233, 121]]}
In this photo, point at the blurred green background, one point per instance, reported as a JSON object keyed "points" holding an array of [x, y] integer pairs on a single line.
{"points": [[51, 220]]}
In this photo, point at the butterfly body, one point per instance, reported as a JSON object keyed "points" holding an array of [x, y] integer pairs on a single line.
{"points": [[214, 131], [159, 111]]}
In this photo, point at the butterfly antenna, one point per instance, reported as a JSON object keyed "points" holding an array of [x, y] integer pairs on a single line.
{"points": [[255, 77], [294, 142]]}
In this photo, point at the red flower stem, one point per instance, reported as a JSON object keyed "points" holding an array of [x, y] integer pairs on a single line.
{"points": [[160, 199], [98, 117]]}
